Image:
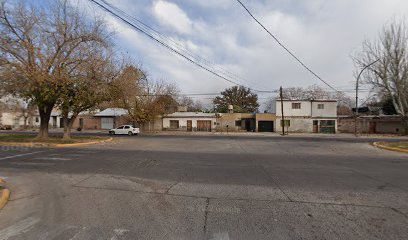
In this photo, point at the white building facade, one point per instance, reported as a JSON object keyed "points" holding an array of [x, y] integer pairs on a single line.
{"points": [[190, 122], [311, 116]]}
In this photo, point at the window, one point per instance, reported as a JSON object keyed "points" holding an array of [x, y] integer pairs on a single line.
{"points": [[320, 106], [287, 123], [127, 127], [238, 123], [121, 127], [37, 119], [174, 124], [328, 123], [296, 106]]}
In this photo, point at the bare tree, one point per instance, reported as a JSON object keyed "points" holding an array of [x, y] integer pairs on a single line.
{"points": [[143, 100], [390, 73], [41, 48], [89, 87], [191, 104], [311, 92]]}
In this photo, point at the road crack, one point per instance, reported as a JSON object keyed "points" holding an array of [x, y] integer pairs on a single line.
{"points": [[207, 203]]}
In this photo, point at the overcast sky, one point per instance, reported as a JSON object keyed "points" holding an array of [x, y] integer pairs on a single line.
{"points": [[324, 34]]}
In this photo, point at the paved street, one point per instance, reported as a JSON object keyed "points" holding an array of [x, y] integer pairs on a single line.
{"points": [[207, 187]]}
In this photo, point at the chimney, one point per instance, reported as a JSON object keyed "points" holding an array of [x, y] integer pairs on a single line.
{"points": [[230, 109]]}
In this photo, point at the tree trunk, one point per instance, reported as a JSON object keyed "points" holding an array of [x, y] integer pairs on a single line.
{"points": [[45, 114], [68, 122], [25, 122]]}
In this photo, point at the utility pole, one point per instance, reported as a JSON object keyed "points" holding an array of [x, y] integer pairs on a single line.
{"points": [[283, 116]]}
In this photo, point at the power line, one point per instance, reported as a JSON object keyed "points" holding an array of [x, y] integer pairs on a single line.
{"points": [[176, 44], [161, 42], [285, 48]]}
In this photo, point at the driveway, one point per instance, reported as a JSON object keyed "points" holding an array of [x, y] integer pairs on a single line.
{"points": [[207, 187]]}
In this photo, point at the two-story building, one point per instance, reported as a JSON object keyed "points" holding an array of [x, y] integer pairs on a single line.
{"points": [[314, 116]]}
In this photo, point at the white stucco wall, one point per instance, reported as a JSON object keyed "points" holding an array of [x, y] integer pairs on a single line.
{"points": [[304, 111], [183, 122], [330, 109], [11, 119], [308, 109], [304, 125]]}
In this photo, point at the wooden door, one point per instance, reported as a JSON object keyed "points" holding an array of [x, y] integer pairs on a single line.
{"points": [[372, 128], [203, 126], [189, 126]]}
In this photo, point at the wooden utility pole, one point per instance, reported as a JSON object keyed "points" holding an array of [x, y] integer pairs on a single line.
{"points": [[283, 116]]}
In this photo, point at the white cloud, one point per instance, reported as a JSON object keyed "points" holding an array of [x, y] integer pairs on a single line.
{"points": [[322, 33], [169, 14]]}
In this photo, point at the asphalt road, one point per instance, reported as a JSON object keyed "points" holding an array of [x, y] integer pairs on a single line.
{"points": [[207, 187]]}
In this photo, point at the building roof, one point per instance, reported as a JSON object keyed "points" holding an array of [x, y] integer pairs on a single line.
{"points": [[307, 100], [190, 115], [112, 112]]}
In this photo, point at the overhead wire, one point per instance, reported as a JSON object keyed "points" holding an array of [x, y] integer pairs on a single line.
{"points": [[285, 48], [155, 35], [176, 43]]}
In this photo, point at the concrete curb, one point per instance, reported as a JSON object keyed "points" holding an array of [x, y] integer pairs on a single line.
{"points": [[380, 145], [83, 144], [54, 144], [4, 195]]}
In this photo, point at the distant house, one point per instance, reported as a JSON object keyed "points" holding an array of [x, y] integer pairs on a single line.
{"points": [[112, 117], [189, 121], [314, 116]]}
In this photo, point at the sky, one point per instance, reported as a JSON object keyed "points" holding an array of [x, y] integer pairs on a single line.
{"points": [[323, 34]]}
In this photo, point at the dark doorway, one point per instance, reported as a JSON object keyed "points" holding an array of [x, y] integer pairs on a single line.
{"points": [[315, 126], [249, 124], [372, 128], [189, 126], [81, 123], [265, 126]]}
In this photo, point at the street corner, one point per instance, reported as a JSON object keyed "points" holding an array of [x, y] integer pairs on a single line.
{"points": [[4, 193], [401, 147]]}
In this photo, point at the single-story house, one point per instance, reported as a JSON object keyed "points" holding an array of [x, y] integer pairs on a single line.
{"points": [[189, 121]]}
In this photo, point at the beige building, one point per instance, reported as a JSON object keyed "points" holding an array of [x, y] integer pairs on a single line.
{"points": [[246, 122]]}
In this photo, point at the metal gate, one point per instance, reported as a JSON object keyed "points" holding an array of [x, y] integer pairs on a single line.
{"points": [[328, 126], [265, 126]]}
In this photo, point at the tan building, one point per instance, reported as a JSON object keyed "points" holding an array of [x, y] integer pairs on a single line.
{"points": [[246, 122]]}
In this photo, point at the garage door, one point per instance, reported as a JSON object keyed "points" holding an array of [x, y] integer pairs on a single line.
{"points": [[106, 123], [203, 126], [328, 126], [265, 126]]}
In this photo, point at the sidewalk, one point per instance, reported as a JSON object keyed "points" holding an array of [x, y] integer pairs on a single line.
{"points": [[274, 134]]}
